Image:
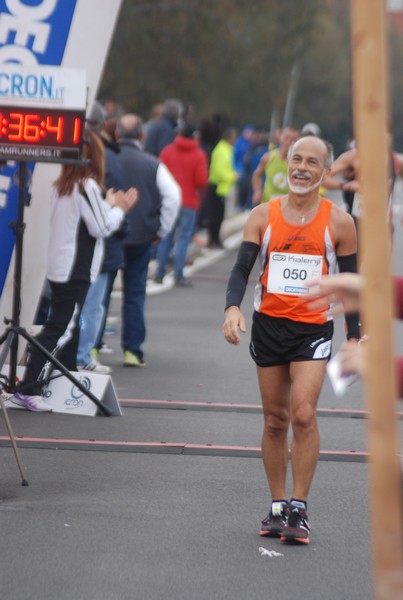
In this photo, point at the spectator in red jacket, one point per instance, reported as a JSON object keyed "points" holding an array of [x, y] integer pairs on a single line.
{"points": [[188, 164]]}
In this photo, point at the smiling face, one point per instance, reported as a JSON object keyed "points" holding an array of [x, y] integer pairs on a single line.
{"points": [[307, 165]]}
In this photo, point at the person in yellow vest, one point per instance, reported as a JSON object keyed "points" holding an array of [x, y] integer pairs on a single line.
{"points": [[222, 177], [272, 168]]}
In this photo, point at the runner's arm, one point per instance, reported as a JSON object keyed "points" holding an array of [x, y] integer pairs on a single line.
{"points": [[346, 250], [240, 274], [257, 179], [234, 321], [348, 264]]}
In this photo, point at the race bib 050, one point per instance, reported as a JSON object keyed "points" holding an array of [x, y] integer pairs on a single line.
{"points": [[289, 273]]}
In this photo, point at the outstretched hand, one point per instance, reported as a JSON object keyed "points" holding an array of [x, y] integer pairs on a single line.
{"points": [[234, 323], [341, 291], [352, 358]]}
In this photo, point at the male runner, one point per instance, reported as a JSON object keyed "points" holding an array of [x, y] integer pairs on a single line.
{"points": [[297, 237]]}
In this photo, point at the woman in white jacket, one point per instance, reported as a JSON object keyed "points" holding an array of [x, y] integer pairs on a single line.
{"points": [[80, 219]]}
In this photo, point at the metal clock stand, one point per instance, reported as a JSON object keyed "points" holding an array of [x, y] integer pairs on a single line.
{"points": [[9, 339]]}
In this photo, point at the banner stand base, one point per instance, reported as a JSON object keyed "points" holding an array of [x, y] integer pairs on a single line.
{"points": [[65, 397]]}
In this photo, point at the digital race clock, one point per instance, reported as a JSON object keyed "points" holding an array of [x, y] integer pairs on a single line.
{"points": [[40, 134]]}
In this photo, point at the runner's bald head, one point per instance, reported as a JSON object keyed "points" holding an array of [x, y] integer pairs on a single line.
{"points": [[317, 145]]}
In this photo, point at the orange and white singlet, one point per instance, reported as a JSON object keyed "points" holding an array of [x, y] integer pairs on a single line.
{"points": [[289, 256]]}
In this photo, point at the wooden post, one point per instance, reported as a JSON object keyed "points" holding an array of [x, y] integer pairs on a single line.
{"points": [[368, 24]]}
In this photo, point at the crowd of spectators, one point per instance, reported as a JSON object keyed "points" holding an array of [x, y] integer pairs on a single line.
{"points": [[185, 169]]}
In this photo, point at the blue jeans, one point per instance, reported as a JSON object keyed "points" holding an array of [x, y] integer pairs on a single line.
{"points": [[110, 280], [135, 274], [181, 236], [92, 316]]}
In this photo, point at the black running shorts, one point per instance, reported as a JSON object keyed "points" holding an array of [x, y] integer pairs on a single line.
{"points": [[276, 341]]}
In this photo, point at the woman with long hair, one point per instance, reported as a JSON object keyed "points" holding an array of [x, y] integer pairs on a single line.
{"points": [[80, 218]]}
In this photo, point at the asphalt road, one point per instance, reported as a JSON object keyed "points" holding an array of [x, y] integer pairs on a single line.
{"points": [[166, 501]]}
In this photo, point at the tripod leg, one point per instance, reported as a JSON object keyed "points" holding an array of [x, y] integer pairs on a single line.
{"points": [[7, 341], [12, 438]]}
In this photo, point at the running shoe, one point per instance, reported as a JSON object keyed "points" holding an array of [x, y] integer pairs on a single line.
{"points": [[273, 525], [105, 349], [183, 282], [297, 528], [96, 367], [132, 360], [33, 403], [95, 354], [215, 246]]}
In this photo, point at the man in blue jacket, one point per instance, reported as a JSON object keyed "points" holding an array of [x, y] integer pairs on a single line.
{"points": [[162, 132], [150, 221]]}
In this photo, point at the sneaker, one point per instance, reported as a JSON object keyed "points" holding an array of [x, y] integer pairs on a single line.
{"points": [[96, 367], [199, 241], [95, 354], [132, 360], [105, 349], [297, 528], [183, 282], [215, 246], [34, 403], [158, 280], [273, 525]]}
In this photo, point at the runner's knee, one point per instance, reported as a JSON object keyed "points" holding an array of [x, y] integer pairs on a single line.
{"points": [[276, 424], [303, 418]]}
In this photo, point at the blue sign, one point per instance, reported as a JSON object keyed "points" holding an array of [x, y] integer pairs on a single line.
{"points": [[31, 32]]}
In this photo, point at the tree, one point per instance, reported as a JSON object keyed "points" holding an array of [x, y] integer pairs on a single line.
{"points": [[229, 56], [235, 57]]}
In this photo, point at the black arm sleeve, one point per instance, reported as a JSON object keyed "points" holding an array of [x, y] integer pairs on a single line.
{"points": [[348, 264], [240, 273]]}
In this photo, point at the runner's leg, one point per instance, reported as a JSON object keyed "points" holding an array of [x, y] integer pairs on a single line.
{"points": [[274, 383], [307, 380]]}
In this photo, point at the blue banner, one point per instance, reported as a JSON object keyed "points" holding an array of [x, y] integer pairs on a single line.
{"points": [[31, 32]]}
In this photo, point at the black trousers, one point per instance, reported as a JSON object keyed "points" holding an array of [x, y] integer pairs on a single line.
{"points": [[60, 330], [216, 207]]}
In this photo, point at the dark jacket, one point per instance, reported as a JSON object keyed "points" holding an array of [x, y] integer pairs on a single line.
{"points": [[160, 134], [139, 170]]}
